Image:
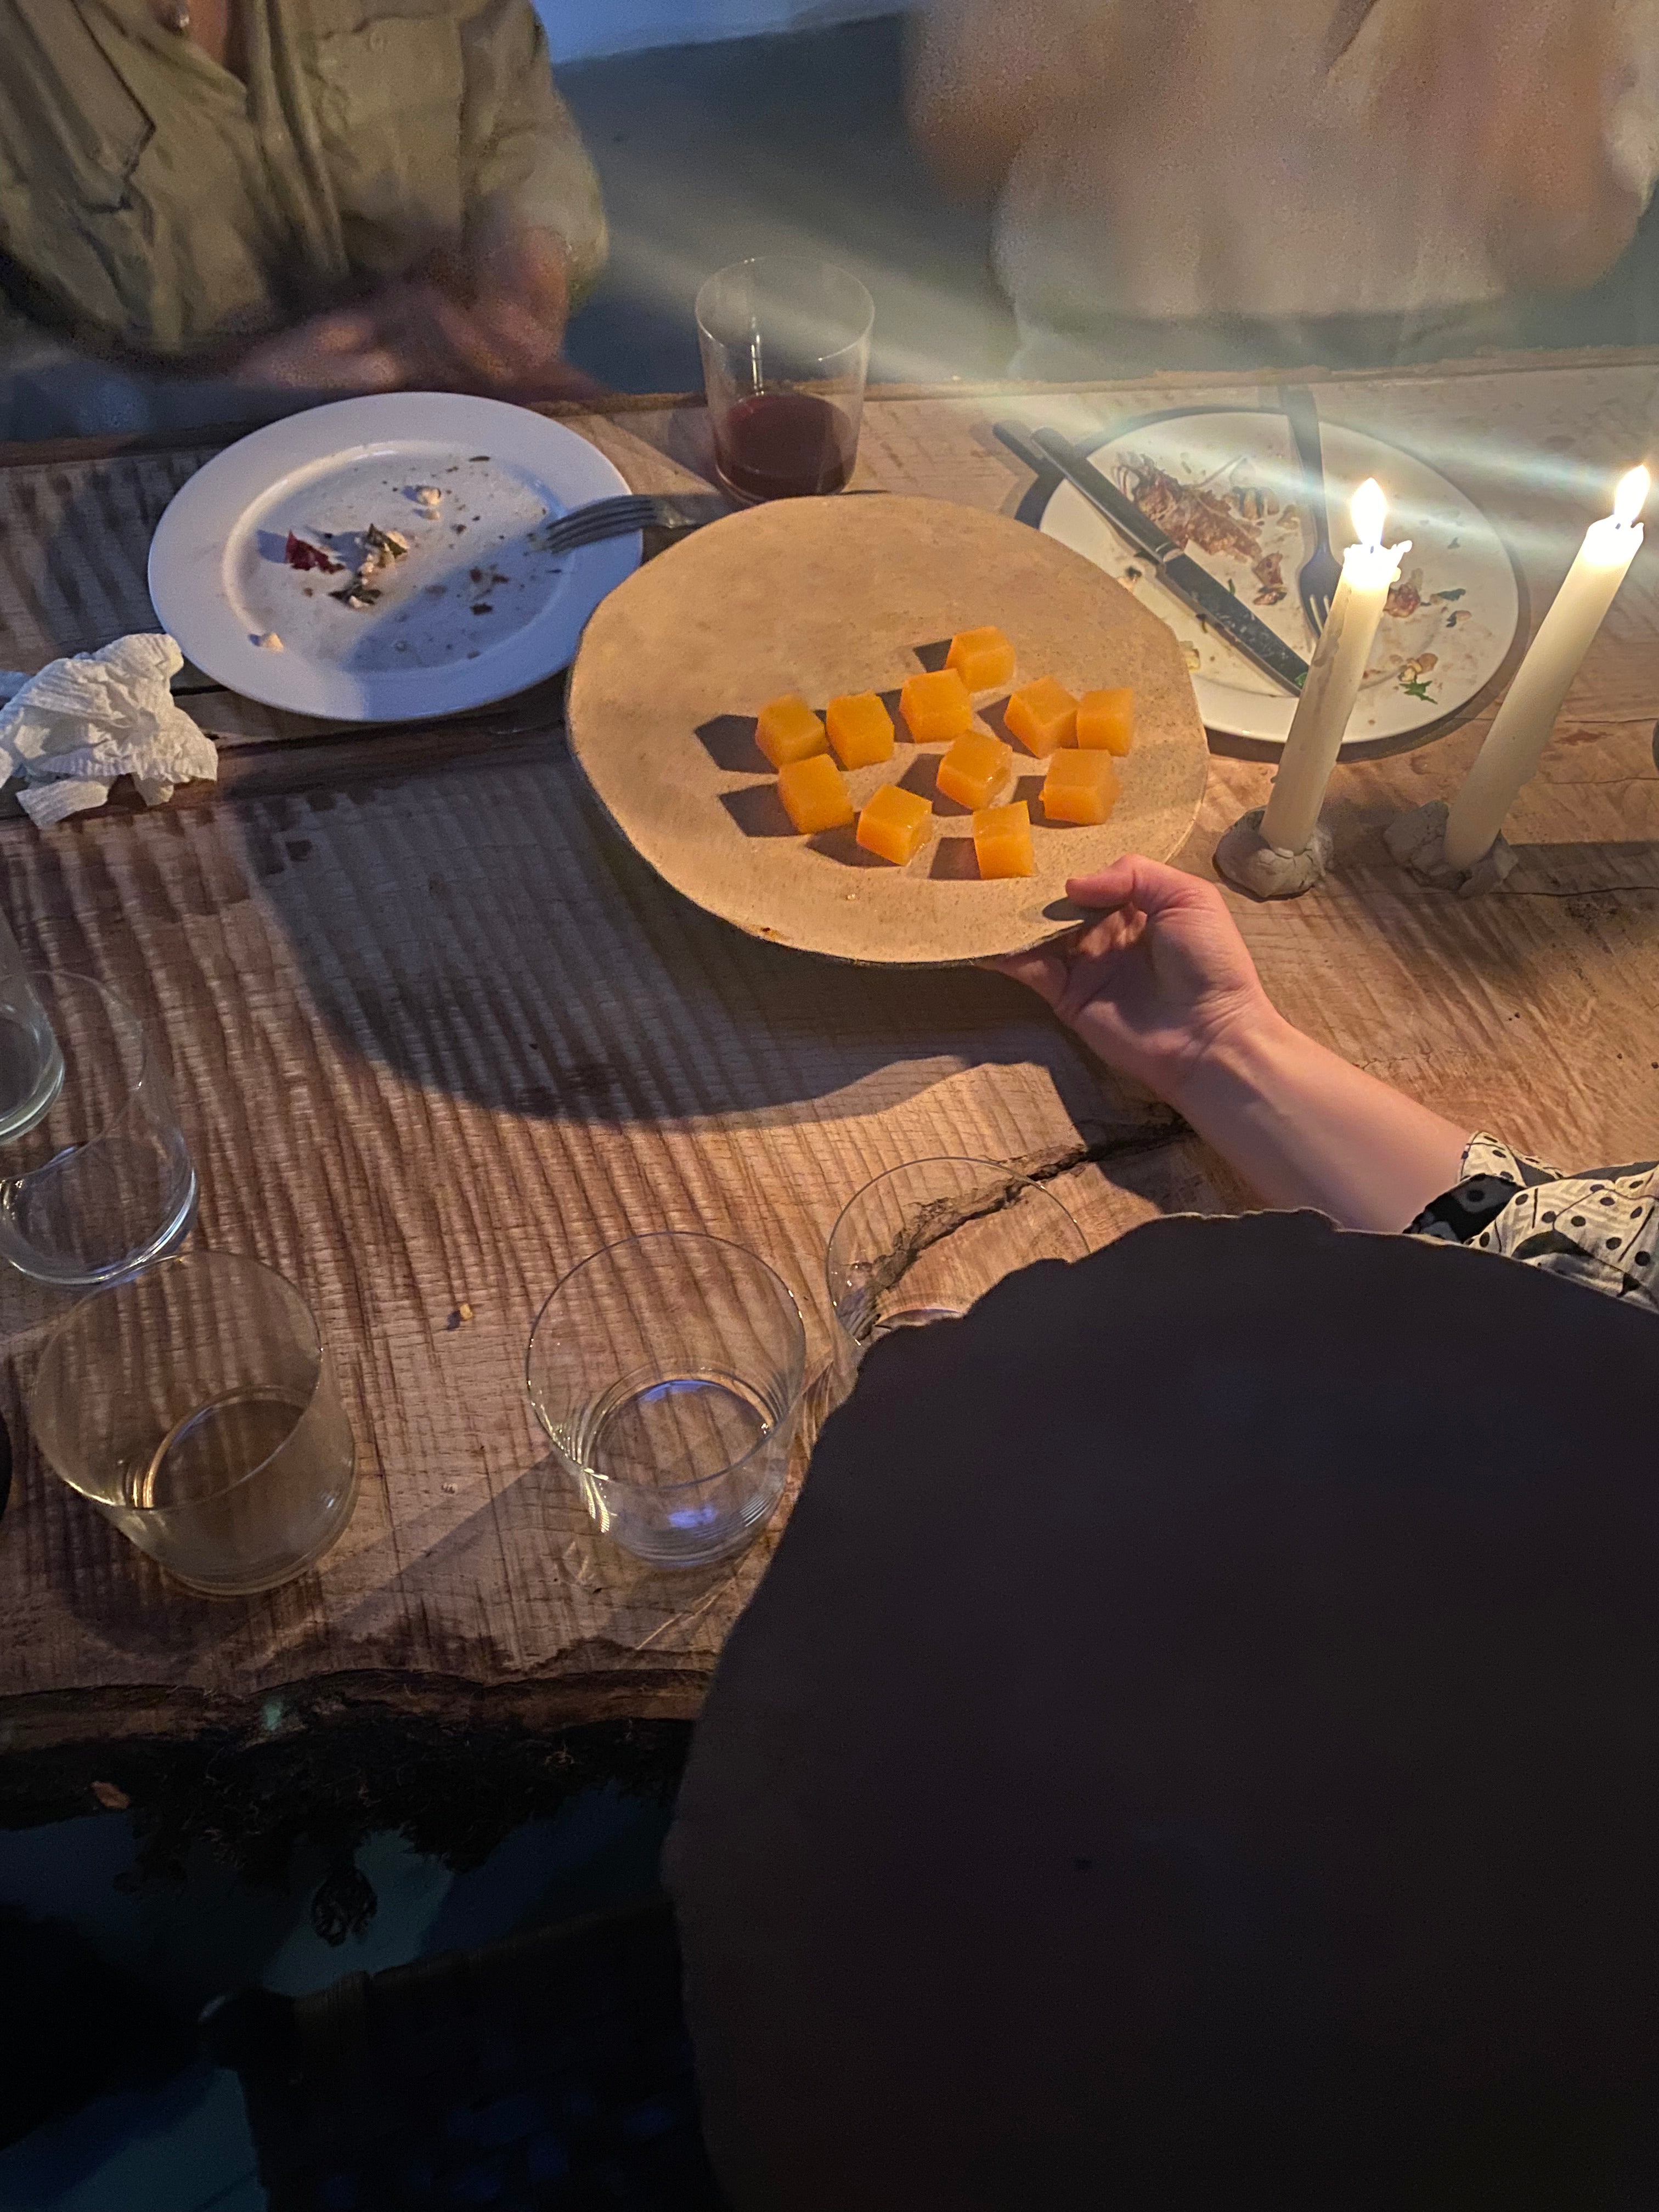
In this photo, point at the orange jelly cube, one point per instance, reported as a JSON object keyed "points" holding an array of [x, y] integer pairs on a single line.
{"points": [[1042, 716], [975, 769], [982, 658], [813, 794], [788, 731], [861, 730], [1106, 721], [1002, 841], [895, 825], [1079, 786], [936, 706]]}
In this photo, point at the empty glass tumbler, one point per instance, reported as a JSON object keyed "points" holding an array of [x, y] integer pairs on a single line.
{"points": [[668, 1371], [101, 1182], [31, 1065], [786, 352], [926, 1241], [194, 1406]]}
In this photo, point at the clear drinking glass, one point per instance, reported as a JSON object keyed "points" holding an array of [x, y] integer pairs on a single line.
{"points": [[31, 1065], [926, 1241], [194, 1406], [101, 1182], [667, 1371], [786, 352]]}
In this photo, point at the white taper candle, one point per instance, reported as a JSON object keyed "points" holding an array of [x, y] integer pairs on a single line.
{"points": [[1515, 743], [1370, 571]]}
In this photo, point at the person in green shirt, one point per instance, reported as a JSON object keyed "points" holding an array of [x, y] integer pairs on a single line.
{"points": [[279, 197]]}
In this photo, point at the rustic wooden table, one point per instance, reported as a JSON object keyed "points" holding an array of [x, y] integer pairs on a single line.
{"points": [[437, 1034]]}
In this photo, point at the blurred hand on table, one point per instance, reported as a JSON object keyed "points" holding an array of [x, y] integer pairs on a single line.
{"points": [[493, 322], [344, 351]]}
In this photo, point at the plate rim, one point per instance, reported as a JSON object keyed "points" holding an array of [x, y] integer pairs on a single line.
{"points": [[1229, 744], [231, 659]]}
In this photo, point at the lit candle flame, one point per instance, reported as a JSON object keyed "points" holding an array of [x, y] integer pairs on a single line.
{"points": [[1631, 497], [1370, 512]]}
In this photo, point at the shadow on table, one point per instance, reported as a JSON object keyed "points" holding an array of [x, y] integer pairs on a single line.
{"points": [[1583, 870], [522, 1532], [122, 1600], [488, 935], [68, 1547], [1573, 875], [567, 1589], [570, 1589]]}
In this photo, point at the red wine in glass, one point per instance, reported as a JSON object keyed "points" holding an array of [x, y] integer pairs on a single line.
{"points": [[785, 445]]}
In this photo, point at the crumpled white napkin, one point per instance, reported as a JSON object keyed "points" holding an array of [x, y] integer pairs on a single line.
{"points": [[72, 729]]}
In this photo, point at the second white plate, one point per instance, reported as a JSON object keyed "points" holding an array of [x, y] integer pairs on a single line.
{"points": [[1455, 613], [476, 611]]}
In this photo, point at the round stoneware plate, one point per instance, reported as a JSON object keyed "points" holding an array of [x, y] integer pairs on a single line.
{"points": [[824, 596], [476, 609], [1454, 613]]}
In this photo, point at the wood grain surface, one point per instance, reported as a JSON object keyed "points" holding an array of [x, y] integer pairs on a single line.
{"points": [[827, 596], [437, 1032]]}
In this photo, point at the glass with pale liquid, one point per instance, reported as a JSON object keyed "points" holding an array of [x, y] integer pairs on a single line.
{"points": [[668, 1373], [193, 1404]]}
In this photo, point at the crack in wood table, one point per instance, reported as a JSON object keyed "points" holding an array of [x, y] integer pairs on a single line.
{"points": [[436, 1035]]}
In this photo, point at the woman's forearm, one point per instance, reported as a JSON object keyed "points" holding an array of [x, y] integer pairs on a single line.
{"points": [[1304, 1128]]}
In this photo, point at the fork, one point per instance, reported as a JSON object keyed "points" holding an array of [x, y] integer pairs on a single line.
{"points": [[618, 518], [1322, 572]]}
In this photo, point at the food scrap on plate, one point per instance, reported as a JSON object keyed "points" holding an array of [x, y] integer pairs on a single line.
{"points": [[299, 553], [381, 549]]}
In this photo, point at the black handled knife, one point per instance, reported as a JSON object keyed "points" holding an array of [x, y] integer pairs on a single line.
{"points": [[1046, 450]]}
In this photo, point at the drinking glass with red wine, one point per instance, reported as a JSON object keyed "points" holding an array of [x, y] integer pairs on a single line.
{"points": [[785, 350]]}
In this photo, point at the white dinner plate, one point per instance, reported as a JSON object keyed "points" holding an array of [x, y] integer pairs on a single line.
{"points": [[1453, 616], [476, 611]]}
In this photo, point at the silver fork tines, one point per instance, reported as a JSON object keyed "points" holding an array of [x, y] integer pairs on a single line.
{"points": [[1322, 572], [606, 518]]}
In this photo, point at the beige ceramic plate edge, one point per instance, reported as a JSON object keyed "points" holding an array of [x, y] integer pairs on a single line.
{"points": [[824, 596]]}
